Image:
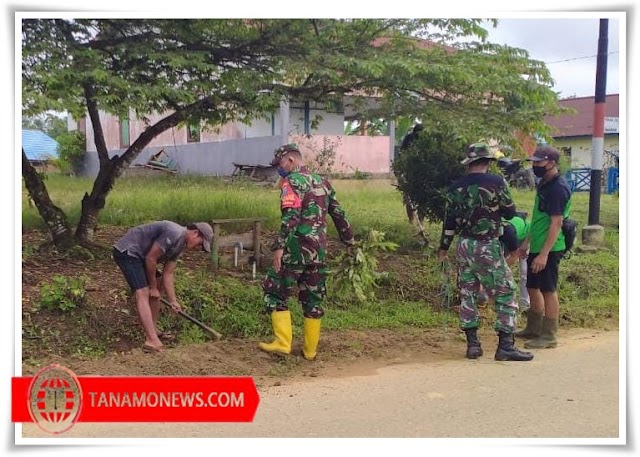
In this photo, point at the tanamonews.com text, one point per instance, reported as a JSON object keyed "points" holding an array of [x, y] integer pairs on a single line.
{"points": [[166, 399]]}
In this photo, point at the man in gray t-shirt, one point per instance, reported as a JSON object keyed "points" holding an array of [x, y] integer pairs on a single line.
{"points": [[138, 254]]}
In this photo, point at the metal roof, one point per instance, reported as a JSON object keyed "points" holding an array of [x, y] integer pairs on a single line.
{"points": [[38, 145], [580, 123]]}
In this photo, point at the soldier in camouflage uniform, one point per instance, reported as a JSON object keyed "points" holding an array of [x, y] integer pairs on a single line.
{"points": [[475, 205], [300, 250]]}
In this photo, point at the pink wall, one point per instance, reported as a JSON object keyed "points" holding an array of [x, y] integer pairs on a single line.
{"points": [[353, 152], [111, 128], [368, 154], [227, 132]]}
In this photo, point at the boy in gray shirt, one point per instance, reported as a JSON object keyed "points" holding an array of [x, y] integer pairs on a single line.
{"points": [[138, 254]]}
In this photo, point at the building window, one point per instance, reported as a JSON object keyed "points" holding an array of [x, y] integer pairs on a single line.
{"points": [[566, 152], [193, 133], [124, 133]]}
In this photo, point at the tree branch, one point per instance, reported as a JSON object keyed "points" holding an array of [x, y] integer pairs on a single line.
{"points": [[94, 114]]}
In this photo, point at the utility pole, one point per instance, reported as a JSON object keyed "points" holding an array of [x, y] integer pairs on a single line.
{"points": [[593, 233], [597, 145]]}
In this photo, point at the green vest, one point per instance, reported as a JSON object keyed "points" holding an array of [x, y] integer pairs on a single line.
{"points": [[540, 223], [521, 226]]}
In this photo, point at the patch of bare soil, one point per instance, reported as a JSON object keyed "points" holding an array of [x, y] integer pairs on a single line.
{"points": [[346, 353]]}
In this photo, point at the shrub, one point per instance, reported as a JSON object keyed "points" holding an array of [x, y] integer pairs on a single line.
{"points": [[426, 168], [228, 305], [321, 159], [356, 272], [63, 293], [71, 150], [357, 174]]}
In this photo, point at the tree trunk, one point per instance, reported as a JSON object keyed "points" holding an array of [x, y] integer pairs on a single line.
{"points": [[93, 203], [112, 168], [53, 216]]}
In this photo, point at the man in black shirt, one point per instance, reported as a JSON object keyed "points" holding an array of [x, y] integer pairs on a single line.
{"points": [[546, 247]]}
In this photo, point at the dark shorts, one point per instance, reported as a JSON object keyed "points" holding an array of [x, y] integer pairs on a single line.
{"points": [[547, 279], [133, 270]]}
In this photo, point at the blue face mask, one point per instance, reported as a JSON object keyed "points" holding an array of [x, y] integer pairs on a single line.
{"points": [[282, 172]]}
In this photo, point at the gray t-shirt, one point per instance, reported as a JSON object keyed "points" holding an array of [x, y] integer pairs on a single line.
{"points": [[137, 242]]}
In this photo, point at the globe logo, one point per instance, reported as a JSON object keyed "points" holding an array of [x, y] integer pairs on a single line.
{"points": [[55, 399]]}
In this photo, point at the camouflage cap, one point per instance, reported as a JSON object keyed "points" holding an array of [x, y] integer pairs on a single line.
{"points": [[282, 151], [478, 151]]}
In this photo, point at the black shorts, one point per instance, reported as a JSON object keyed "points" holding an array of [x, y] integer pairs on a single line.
{"points": [[547, 279], [133, 270]]}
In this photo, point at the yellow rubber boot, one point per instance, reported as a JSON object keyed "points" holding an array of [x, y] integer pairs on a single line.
{"points": [[311, 338], [281, 321]]}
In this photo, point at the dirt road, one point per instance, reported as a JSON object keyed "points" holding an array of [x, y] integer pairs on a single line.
{"points": [[568, 392]]}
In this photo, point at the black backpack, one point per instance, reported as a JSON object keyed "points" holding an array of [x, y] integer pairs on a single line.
{"points": [[569, 230]]}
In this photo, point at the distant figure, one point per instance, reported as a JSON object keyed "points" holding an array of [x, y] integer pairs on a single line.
{"points": [[411, 137], [139, 252], [408, 140]]}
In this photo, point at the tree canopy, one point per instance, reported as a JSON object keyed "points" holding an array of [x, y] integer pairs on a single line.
{"points": [[426, 167], [49, 123], [244, 67], [220, 70]]}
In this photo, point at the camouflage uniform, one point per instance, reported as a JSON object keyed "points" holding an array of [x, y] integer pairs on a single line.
{"points": [[306, 199], [475, 205]]}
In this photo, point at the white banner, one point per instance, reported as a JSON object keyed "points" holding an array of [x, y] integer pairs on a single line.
{"points": [[611, 125]]}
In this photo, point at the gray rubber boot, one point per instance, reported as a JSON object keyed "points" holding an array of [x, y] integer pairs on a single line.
{"points": [[547, 338], [534, 326]]}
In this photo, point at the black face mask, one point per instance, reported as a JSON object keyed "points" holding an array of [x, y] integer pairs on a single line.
{"points": [[539, 171]]}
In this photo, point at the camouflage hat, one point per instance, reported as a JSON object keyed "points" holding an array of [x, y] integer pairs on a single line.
{"points": [[282, 151], [478, 151]]}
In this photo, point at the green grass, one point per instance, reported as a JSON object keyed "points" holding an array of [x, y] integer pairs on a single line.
{"points": [[182, 199], [139, 200], [388, 314], [588, 282], [368, 203], [588, 287], [235, 308]]}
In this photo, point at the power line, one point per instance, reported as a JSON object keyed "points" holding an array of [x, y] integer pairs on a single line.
{"points": [[579, 58]]}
